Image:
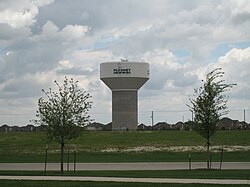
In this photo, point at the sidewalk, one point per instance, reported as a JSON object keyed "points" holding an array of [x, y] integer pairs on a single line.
{"points": [[119, 179]]}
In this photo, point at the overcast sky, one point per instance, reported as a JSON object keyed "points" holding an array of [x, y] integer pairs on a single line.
{"points": [[44, 40]]}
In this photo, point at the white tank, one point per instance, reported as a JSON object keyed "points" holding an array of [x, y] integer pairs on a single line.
{"points": [[124, 75]]}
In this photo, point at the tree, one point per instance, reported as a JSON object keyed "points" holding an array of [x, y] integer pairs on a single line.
{"points": [[64, 112], [210, 104]]}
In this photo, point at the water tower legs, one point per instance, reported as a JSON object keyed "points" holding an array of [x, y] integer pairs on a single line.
{"points": [[124, 110]]}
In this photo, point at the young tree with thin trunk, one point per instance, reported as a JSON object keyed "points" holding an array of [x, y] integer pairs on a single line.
{"points": [[209, 104], [64, 112]]}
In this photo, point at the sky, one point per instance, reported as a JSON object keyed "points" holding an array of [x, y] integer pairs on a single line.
{"points": [[46, 40]]}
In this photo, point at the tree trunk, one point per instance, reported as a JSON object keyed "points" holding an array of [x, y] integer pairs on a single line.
{"points": [[208, 153], [208, 146], [62, 153]]}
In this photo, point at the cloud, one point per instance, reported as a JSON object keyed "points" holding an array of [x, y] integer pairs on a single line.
{"points": [[197, 29], [26, 86], [186, 79], [74, 32], [8, 33], [71, 33], [68, 33], [74, 71], [239, 58], [18, 14], [49, 30], [167, 73], [241, 17], [41, 52]]}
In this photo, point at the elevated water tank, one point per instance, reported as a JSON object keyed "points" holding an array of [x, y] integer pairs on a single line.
{"points": [[124, 79]]}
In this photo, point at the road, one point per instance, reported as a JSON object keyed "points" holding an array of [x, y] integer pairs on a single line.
{"points": [[123, 166]]}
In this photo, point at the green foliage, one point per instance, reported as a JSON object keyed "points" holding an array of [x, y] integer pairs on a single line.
{"points": [[210, 104], [65, 111]]}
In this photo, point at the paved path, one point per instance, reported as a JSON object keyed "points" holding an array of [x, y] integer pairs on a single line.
{"points": [[119, 179], [123, 166]]}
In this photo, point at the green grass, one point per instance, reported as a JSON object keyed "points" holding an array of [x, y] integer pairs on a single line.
{"points": [[30, 147], [36, 141], [203, 174], [23, 183], [192, 174], [91, 157]]}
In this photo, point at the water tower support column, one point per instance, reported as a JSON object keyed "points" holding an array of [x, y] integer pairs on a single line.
{"points": [[124, 110]]}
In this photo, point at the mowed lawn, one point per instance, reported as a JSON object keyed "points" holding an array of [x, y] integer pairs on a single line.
{"points": [[196, 174], [15, 183], [30, 147]]}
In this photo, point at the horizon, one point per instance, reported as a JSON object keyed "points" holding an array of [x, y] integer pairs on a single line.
{"points": [[148, 125]]}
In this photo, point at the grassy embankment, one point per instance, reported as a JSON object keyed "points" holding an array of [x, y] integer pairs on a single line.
{"points": [[30, 147]]}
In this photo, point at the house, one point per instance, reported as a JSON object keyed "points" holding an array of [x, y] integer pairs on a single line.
{"points": [[178, 126], [228, 124], [94, 127], [162, 126], [4, 128]]}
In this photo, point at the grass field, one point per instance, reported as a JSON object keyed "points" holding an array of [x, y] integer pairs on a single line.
{"points": [[202, 174], [158, 156], [30, 147], [15, 183]]}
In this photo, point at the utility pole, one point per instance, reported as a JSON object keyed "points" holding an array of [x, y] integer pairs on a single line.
{"points": [[244, 111], [192, 115], [152, 117]]}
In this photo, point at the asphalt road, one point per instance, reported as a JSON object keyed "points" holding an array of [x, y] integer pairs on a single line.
{"points": [[123, 166]]}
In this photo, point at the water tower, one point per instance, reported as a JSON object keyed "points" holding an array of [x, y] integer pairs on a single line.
{"points": [[124, 79]]}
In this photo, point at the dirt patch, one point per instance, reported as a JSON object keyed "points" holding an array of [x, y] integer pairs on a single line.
{"points": [[179, 149]]}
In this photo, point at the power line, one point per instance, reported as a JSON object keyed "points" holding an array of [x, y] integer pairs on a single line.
{"points": [[17, 114]]}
